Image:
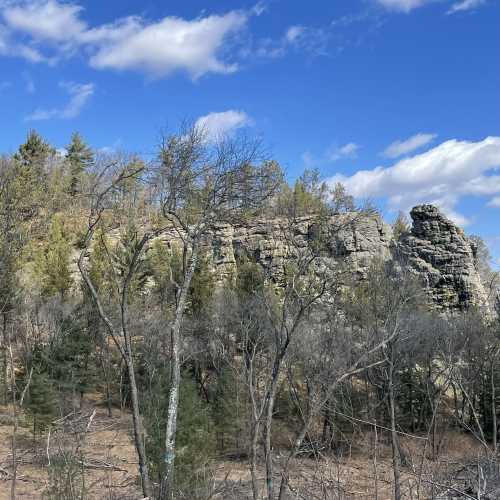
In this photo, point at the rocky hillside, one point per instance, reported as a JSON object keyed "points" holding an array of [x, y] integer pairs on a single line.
{"points": [[435, 249]]}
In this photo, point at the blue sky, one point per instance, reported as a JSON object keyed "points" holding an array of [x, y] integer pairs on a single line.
{"points": [[398, 99]]}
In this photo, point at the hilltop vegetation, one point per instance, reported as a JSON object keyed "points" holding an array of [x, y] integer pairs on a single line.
{"points": [[104, 317]]}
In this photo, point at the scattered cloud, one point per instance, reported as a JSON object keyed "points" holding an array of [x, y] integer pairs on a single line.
{"points": [[78, 93], [300, 38], [349, 150], [259, 8], [464, 5], [402, 5], [157, 48], [218, 125], [407, 6], [495, 202], [441, 175], [330, 155], [403, 147]]}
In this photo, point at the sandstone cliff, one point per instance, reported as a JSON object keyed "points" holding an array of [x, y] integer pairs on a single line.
{"points": [[436, 250], [442, 255]]}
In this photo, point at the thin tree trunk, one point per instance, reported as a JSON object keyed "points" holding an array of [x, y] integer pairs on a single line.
{"points": [[126, 354], [493, 406], [394, 436], [253, 460], [14, 414], [167, 486], [268, 423], [5, 363], [375, 465]]}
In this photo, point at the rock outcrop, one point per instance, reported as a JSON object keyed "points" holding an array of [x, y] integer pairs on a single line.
{"points": [[444, 258], [436, 250]]}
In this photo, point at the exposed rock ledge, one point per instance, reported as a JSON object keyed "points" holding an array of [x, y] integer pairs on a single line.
{"points": [[436, 250]]}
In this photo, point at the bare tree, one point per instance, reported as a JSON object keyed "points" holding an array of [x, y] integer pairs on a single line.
{"points": [[199, 183], [111, 178]]}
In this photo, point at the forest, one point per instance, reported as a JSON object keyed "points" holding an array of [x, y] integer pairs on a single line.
{"points": [[132, 369]]}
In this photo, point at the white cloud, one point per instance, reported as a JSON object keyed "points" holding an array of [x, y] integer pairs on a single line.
{"points": [[306, 39], [332, 154], [79, 95], [349, 150], [402, 5], [495, 202], [294, 33], [171, 44], [46, 20], [218, 125], [400, 148], [157, 48], [464, 5], [259, 8], [442, 175]]}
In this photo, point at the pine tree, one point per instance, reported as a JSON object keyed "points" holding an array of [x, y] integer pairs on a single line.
{"points": [[40, 402], [70, 359], [31, 174], [79, 157], [54, 261], [123, 255]]}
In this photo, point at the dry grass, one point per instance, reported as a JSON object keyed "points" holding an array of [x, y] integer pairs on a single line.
{"points": [[111, 466]]}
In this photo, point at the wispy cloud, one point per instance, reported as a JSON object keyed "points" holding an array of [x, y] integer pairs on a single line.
{"points": [[403, 147], [78, 93], [403, 5], [218, 125], [331, 155], [464, 5], [495, 202], [305, 39], [349, 150]]}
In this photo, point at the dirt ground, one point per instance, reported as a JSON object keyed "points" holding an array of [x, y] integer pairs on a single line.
{"points": [[109, 458], [110, 464]]}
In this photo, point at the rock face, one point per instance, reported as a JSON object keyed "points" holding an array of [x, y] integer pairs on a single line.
{"points": [[444, 258], [436, 250]]}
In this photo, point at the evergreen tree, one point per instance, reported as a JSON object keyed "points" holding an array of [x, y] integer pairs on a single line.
{"points": [[123, 255], [40, 402], [31, 162], [195, 436], [54, 261], [70, 358], [230, 413], [79, 157]]}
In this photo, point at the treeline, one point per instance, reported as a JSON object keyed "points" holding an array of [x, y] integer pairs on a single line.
{"points": [[107, 290]]}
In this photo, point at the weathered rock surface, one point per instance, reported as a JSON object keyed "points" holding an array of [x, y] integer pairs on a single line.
{"points": [[436, 250], [442, 255]]}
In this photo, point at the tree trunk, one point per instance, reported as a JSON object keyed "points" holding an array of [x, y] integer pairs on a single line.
{"points": [[493, 406], [138, 429], [394, 435], [166, 490], [269, 423]]}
